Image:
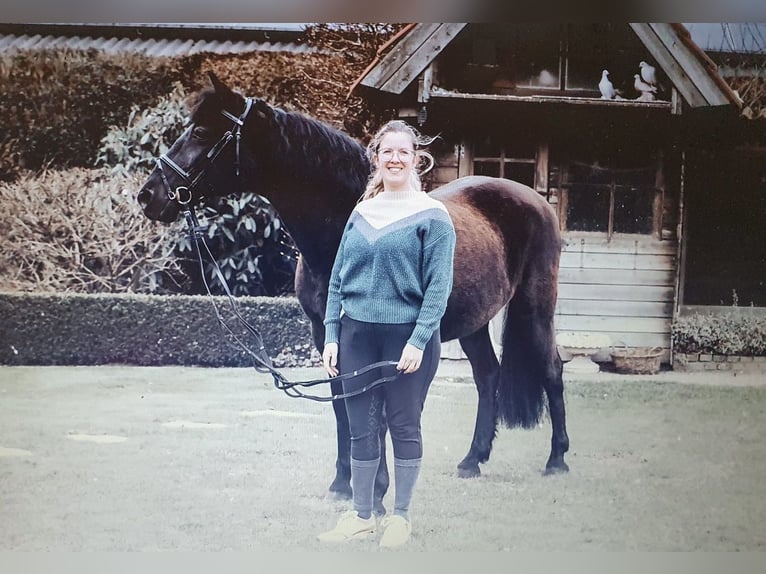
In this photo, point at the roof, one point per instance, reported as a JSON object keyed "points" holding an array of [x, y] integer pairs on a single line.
{"points": [[156, 39], [684, 63]]}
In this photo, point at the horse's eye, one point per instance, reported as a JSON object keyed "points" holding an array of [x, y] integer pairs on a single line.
{"points": [[200, 132]]}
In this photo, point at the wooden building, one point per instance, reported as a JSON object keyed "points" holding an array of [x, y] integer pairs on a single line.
{"points": [[523, 102]]}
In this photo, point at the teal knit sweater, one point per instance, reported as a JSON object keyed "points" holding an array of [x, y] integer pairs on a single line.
{"points": [[394, 265]]}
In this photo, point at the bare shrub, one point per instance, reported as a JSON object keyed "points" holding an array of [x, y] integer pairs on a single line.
{"points": [[82, 231]]}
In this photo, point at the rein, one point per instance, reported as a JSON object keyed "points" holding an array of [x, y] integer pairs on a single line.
{"points": [[183, 195], [262, 362]]}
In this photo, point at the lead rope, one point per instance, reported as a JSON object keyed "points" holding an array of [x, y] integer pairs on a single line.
{"points": [[261, 361]]}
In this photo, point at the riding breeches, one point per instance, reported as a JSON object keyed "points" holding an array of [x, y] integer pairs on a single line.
{"points": [[398, 402]]}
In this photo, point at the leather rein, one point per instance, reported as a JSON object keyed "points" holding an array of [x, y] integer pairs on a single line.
{"points": [[183, 195]]}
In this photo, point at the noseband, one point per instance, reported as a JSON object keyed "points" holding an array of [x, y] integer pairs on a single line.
{"points": [[183, 194]]}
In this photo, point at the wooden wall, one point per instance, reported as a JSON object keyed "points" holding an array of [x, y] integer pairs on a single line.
{"points": [[623, 288]]}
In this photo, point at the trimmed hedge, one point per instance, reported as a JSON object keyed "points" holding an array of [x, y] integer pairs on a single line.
{"points": [[721, 334], [56, 329]]}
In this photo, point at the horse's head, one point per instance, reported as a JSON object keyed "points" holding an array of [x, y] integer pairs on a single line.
{"points": [[207, 158]]}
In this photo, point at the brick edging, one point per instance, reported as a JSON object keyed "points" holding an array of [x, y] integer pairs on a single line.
{"points": [[692, 362]]}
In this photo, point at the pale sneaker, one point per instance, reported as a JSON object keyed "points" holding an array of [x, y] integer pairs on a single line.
{"points": [[396, 531], [350, 527]]}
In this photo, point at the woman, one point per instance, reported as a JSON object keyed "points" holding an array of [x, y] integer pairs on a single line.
{"points": [[388, 291]]}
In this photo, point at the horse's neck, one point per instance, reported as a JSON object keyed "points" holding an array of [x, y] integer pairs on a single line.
{"points": [[315, 177], [314, 223]]}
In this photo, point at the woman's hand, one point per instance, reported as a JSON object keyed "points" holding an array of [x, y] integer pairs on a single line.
{"points": [[410, 359], [330, 359]]}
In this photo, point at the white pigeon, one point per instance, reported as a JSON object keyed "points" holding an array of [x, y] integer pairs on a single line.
{"points": [[648, 73], [606, 87], [647, 91]]}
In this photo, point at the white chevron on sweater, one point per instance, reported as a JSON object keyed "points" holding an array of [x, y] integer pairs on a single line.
{"points": [[391, 206]]}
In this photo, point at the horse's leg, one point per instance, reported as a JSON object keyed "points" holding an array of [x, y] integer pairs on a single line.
{"points": [[553, 383], [481, 354], [340, 487], [531, 365]]}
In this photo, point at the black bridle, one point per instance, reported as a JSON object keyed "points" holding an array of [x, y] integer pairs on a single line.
{"points": [[183, 195], [193, 178]]}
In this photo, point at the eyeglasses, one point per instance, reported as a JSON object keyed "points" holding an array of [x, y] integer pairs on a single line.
{"points": [[404, 155]]}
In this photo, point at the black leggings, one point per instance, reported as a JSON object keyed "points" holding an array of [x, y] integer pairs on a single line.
{"points": [[362, 344]]}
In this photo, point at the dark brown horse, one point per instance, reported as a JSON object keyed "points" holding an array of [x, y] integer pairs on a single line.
{"points": [[507, 252]]}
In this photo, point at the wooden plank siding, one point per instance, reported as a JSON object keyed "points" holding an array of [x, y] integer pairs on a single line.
{"points": [[622, 288], [421, 58]]}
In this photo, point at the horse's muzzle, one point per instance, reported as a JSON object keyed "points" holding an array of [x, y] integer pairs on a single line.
{"points": [[157, 206]]}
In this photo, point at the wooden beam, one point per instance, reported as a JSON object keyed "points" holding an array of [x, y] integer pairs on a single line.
{"points": [[541, 169], [425, 81], [421, 57], [616, 292], [590, 276], [696, 71], [582, 308], [399, 54], [539, 99], [666, 59]]}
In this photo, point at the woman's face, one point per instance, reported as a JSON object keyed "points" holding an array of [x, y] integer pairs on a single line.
{"points": [[396, 160]]}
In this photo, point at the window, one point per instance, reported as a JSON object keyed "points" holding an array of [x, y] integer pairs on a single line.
{"points": [[542, 58], [592, 48], [608, 199], [510, 160]]}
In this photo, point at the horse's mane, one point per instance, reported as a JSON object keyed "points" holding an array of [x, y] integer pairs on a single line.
{"points": [[308, 145], [304, 147]]}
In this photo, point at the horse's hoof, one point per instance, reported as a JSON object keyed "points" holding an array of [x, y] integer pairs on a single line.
{"points": [[558, 468], [468, 472]]}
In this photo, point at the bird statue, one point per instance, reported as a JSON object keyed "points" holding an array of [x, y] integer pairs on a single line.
{"points": [[647, 91], [648, 73], [606, 87]]}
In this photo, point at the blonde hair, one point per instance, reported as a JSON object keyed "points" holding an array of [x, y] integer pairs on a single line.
{"points": [[424, 161]]}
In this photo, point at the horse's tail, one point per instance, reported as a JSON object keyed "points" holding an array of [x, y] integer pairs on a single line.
{"points": [[530, 358]]}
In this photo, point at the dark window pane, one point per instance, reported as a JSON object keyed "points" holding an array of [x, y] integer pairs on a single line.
{"points": [[487, 147], [588, 208], [589, 173], [633, 210], [595, 47], [529, 54], [517, 148], [491, 168], [521, 172]]}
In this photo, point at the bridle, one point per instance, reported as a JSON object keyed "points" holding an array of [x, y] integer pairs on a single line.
{"points": [[183, 195]]}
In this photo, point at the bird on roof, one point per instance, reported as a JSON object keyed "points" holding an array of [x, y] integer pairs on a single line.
{"points": [[605, 86], [648, 73], [646, 91]]}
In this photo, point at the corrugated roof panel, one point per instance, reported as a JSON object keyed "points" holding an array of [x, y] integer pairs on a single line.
{"points": [[149, 46]]}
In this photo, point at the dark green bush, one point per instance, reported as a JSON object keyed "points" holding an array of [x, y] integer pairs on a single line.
{"points": [[726, 334], [56, 105], [143, 330]]}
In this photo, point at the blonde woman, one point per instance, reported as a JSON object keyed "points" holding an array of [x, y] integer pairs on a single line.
{"points": [[387, 294]]}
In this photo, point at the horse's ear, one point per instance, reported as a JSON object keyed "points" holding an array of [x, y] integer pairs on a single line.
{"points": [[220, 88]]}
